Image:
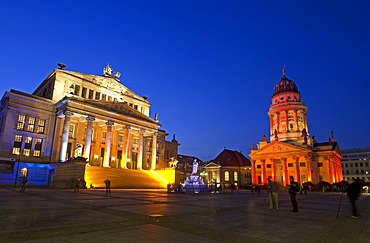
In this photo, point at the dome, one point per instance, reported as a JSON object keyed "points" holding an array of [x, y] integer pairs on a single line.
{"points": [[285, 85]]}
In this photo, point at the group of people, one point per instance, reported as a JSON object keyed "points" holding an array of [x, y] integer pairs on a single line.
{"points": [[353, 192]]}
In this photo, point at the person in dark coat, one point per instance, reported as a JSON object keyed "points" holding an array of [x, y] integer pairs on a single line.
{"points": [[353, 191], [293, 187], [24, 182], [107, 186]]}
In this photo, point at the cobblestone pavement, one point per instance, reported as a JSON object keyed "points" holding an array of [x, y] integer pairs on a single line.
{"points": [[48, 215]]}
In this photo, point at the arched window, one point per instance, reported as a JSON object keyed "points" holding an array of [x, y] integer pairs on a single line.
{"points": [[235, 176], [227, 176]]}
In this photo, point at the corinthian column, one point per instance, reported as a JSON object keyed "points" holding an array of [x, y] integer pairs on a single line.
{"points": [[125, 149], [63, 147], [90, 120], [154, 150], [140, 150], [108, 144]]}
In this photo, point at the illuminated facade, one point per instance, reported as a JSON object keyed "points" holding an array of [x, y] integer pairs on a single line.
{"points": [[72, 115], [291, 151], [229, 168]]}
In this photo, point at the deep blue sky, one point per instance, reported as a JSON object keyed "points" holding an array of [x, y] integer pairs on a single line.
{"points": [[208, 67]]}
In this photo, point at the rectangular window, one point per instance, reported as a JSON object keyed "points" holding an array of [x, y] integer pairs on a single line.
{"points": [[346, 165], [77, 90], [319, 165], [91, 94], [302, 164], [361, 164], [104, 97], [41, 126], [258, 166], [115, 99], [356, 164], [21, 122], [97, 95], [104, 137], [28, 143], [290, 164], [366, 164], [38, 146], [31, 124], [83, 93], [268, 166], [135, 107], [235, 176], [109, 98], [135, 144], [26, 152], [17, 144], [120, 140], [71, 131]]}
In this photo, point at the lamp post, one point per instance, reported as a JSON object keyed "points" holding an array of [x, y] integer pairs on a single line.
{"points": [[16, 174]]}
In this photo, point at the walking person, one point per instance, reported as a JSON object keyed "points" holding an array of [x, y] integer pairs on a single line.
{"points": [[293, 187], [24, 182], [273, 188], [107, 186], [353, 191]]}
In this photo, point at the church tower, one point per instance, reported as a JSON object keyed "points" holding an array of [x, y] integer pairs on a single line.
{"points": [[287, 114]]}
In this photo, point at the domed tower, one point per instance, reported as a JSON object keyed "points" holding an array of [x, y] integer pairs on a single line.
{"points": [[288, 114]]}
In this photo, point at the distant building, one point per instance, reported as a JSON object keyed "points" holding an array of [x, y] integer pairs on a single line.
{"points": [[76, 115], [228, 168], [356, 163], [291, 151]]}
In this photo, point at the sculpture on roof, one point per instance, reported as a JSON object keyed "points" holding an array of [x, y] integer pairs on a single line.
{"points": [[108, 70]]}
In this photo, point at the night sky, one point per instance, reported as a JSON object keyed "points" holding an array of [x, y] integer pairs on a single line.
{"points": [[208, 67]]}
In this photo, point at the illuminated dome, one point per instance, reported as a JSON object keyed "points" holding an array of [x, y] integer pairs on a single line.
{"points": [[285, 85]]}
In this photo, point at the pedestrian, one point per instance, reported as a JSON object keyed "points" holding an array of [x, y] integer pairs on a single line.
{"points": [[353, 191], [293, 187], [107, 186], [77, 186], [24, 182], [273, 188]]}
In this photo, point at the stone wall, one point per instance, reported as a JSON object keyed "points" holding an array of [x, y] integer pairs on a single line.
{"points": [[67, 173]]}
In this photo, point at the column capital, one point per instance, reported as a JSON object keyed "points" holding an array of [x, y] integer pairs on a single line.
{"points": [[109, 123], [90, 118], [68, 113]]}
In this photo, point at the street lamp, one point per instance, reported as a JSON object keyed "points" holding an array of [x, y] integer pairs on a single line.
{"points": [[18, 164]]}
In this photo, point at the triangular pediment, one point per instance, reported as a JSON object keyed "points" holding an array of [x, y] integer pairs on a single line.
{"points": [[212, 164], [280, 147]]}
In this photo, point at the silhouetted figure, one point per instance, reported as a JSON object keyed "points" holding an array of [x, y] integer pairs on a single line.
{"points": [[273, 188], [107, 186], [24, 182], [293, 187], [353, 191]]}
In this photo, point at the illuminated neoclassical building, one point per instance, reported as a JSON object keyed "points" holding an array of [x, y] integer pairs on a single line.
{"points": [[76, 115], [291, 151]]}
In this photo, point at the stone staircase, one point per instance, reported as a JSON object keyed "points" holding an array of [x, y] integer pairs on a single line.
{"points": [[122, 178]]}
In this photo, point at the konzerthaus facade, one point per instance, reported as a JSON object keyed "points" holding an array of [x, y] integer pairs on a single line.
{"points": [[72, 114], [291, 151]]}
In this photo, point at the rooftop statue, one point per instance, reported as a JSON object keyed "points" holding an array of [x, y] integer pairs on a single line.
{"points": [[108, 70]]}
